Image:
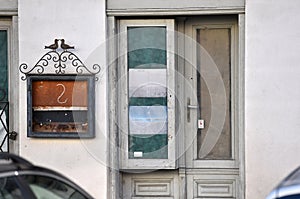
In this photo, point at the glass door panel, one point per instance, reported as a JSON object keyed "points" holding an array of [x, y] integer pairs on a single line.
{"points": [[146, 81], [148, 115], [216, 42]]}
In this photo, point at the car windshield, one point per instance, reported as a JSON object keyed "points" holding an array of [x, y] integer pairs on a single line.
{"points": [[46, 187], [292, 179]]}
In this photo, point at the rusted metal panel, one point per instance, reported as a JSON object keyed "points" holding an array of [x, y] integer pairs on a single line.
{"points": [[59, 127], [59, 93]]}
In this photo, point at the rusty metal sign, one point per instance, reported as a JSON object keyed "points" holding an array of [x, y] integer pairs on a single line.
{"points": [[46, 94]]}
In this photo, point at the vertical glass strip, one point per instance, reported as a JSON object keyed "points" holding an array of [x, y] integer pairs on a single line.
{"points": [[3, 66], [216, 41], [147, 85]]}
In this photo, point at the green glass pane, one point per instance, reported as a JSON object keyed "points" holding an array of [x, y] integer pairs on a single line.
{"points": [[151, 146], [147, 47], [148, 101], [3, 66]]}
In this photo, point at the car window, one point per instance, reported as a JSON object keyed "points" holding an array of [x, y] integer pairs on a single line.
{"points": [[9, 189], [291, 197], [46, 187]]}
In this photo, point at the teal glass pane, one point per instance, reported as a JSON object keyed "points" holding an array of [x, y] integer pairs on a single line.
{"points": [[147, 101], [151, 146], [147, 47], [3, 66]]}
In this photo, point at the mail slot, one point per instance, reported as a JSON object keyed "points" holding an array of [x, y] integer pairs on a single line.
{"points": [[61, 106]]}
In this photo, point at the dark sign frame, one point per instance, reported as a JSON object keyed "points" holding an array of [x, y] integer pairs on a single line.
{"points": [[49, 112]]}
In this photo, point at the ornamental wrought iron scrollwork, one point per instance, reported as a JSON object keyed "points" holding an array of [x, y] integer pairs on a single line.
{"points": [[60, 60]]}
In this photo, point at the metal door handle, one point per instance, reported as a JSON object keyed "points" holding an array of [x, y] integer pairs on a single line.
{"points": [[189, 106], [192, 106]]}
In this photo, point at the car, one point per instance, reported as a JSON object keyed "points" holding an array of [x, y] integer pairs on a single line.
{"points": [[288, 188], [20, 179]]}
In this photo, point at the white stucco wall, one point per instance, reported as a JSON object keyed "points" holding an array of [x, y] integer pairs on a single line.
{"points": [[272, 93], [80, 23], [272, 89]]}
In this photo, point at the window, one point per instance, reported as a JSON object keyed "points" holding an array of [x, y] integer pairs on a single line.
{"points": [[46, 187], [3, 65], [5, 33], [290, 197], [10, 188], [215, 40], [147, 97]]}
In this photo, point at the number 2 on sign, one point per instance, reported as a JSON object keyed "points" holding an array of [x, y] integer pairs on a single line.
{"points": [[62, 93]]}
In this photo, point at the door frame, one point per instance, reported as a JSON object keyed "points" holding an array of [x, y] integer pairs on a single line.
{"points": [[216, 170], [184, 173]]}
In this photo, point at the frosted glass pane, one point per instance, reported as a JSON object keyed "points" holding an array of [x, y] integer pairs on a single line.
{"points": [[148, 120], [148, 113], [147, 83], [217, 43]]}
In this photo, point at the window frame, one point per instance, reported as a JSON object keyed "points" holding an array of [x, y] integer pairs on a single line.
{"points": [[122, 84], [7, 24]]}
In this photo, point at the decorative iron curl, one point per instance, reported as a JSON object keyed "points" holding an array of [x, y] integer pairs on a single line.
{"points": [[59, 61]]}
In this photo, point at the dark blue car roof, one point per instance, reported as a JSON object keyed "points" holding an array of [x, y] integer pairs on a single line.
{"points": [[10, 163]]}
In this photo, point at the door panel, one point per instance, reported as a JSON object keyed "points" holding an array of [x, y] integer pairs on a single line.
{"points": [[211, 56]]}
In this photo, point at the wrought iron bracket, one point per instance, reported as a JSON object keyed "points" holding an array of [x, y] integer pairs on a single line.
{"points": [[59, 59]]}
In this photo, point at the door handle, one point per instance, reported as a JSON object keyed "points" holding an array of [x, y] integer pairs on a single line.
{"points": [[192, 106], [189, 107]]}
